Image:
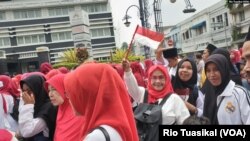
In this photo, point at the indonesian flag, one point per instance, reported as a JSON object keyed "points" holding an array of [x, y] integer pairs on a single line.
{"points": [[148, 37]]}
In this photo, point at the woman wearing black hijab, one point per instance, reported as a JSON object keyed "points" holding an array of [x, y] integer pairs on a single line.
{"points": [[235, 76], [37, 116], [233, 73], [229, 103], [185, 85]]}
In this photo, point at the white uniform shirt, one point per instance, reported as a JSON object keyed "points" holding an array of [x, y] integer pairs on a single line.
{"points": [[6, 120], [174, 109], [28, 125], [172, 70], [235, 106]]}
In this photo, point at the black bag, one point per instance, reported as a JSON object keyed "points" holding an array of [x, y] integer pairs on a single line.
{"points": [[148, 118]]}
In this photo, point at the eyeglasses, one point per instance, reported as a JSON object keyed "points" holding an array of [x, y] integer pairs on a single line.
{"points": [[160, 77]]}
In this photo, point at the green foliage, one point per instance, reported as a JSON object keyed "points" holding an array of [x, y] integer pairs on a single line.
{"points": [[124, 46], [65, 64], [228, 5], [236, 33], [72, 58], [69, 56], [82, 54], [119, 54]]}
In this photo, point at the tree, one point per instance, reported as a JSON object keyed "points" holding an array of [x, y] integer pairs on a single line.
{"points": [[124, 46], [72, 58], [228, 5]]}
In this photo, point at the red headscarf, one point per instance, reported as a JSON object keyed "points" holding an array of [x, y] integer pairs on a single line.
{"points": [[5, 135], [63, 70], [154, 95], [148, 64], [237, 56], [67, 124], [52, 73], [16, 79], [138, 73], [7, 86], [45, 67], [101, 96], [119, 69]]}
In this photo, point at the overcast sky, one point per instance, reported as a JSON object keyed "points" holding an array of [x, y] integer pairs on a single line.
{"points": [[171, 15]]}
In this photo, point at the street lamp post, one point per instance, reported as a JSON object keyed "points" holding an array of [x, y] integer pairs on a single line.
{"points": [[142, 18], [126, 17], [157, 13]]}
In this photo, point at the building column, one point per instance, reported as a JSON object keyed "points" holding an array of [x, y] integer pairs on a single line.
{"points": [[43, 54], [3, 66]]}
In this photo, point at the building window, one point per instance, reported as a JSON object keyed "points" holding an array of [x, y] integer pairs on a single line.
{"points": [[32, 39], [199, 31], [28, 55], [219, 20], [4, 42], [226, 19], [183, 36], [93, 8], [242, 15], [2, 16], [61, 36], [213, 21], [60, 11], [186, 35], [100, 32], [2, 54], [27, 14]]}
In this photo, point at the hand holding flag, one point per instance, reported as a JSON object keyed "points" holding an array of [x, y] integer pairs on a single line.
{"points": [[147, 37]]}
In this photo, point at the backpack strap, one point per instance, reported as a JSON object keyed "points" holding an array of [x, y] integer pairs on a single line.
{"points": [[165, 99], [145, 99], [105, 132]]}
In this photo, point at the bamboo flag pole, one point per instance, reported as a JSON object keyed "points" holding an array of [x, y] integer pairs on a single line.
{"points": [[130, 45]]}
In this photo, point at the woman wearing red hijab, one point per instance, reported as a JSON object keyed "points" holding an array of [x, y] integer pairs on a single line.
{"points": [[101, 97], [52, 73], [8, 91], [45, 67], [174, 111], [138, 73], [67, 124], [7, 135]]}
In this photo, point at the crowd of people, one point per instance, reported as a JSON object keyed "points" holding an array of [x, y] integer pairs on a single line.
{"points": [[95, 101]]}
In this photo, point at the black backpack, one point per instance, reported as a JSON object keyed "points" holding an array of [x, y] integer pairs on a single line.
{"points": [[148, 118]]}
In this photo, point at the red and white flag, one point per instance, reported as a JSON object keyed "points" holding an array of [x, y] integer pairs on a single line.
{"points": [[148, 37]]}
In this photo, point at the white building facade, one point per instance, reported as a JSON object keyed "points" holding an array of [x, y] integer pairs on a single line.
{"points": [[26, 25], [214, 25]]}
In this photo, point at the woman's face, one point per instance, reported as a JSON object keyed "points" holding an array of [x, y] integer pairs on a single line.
{"points": [[172, 62], [205, 54], [26, 89], [158, 80], [185, 72], [54, 96], [213, 74]]}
